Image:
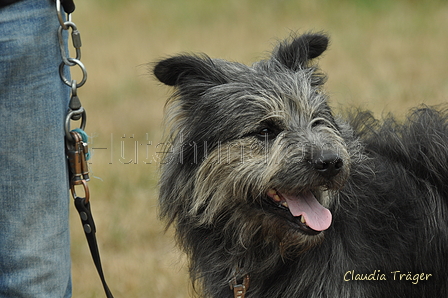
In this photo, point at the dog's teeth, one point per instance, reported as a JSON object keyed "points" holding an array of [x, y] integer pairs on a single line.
{"points": [[272, 192], [284, 204], [277, 198], [302, 219]]}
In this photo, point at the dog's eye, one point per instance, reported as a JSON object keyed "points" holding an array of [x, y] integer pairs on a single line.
{"points": [[317, 122], [266, 134]]}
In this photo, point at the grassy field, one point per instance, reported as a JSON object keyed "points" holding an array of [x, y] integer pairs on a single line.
{"points": [[386, 56]]}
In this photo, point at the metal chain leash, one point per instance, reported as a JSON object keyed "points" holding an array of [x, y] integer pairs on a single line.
{"points": [[76, 140], [75, 144]]}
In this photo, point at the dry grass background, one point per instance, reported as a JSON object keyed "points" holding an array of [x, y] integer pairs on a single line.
{"points": [[384, 55]]}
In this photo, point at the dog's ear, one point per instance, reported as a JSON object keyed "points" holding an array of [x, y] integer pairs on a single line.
{"points": [[296, 54], [180, 69]]}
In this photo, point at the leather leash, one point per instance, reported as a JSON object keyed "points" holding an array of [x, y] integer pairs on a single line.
{"points": [[89, 230], [79, 176]]}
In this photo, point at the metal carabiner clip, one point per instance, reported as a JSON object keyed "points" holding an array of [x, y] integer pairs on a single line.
{"points": [[60, 18], [68, 118], [85, 188], [76, 40]]}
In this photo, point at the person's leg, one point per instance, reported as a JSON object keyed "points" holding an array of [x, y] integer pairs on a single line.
{"points": [[34, 231]]}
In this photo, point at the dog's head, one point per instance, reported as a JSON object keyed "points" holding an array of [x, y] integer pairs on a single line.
{"points": [[255, 150]]}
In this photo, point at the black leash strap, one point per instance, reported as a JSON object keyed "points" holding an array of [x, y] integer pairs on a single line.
{"points": [[68, 5], [77, 153], [89, 229]]}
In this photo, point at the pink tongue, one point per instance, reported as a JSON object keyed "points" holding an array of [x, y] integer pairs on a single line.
{"points": [[317, 217]]}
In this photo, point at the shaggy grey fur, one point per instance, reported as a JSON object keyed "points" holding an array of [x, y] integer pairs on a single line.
{"points": [[251, 146]]}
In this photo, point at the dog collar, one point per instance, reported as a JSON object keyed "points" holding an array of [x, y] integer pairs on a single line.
{"points": [[239, 283]]}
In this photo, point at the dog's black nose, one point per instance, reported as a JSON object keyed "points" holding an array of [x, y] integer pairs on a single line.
{"points": [[327, 163]]}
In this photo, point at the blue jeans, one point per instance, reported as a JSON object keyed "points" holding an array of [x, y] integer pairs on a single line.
{"points": [[34, 200]]}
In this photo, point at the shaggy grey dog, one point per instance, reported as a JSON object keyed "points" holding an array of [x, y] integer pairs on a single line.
{"points": [[261, 181]]}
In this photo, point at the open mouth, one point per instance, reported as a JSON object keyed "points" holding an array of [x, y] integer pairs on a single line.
{"points": [[312, 217]]}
